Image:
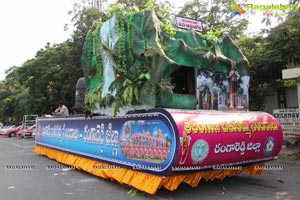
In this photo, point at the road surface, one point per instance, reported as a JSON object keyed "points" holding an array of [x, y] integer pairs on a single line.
{"points": [[25, 175]]}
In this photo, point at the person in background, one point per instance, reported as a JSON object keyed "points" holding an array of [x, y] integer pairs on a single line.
{"points": [[87, 113], [62, 110]]}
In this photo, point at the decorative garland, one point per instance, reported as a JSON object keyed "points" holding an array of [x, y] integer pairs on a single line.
{"points": [[93, 64], [129, 37], [93, 57], [121, 43]]}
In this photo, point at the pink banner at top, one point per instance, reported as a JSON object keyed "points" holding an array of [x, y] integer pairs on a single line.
{"points": [[211, 139]]}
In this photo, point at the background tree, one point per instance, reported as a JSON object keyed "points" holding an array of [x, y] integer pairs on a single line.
{"points": [[8, 91], [279, 15], [268, 56], [214, 16], [40, 83]]}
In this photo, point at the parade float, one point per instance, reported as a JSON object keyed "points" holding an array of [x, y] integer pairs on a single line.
{"points": [[170, 105]]}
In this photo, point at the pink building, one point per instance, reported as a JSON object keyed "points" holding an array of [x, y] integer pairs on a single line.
{"points": [[145, 147]]}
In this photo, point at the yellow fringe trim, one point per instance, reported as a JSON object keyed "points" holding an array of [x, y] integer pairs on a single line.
{"points": [[142, 181]]}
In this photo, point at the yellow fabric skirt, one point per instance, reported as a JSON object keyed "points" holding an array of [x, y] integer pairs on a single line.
{"points": [[145, 182]]}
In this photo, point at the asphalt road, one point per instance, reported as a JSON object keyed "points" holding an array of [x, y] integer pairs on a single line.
{"points": [[26, 175]]}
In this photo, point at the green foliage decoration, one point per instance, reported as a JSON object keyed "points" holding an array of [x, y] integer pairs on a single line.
{"points": [[127, 91], [121, 42], [168, 29], [163, 13], [129, 78], [93, 96], [93, 57], [165, 86], [129, 36], [210, 39]]}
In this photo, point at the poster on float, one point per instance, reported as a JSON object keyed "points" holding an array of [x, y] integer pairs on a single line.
{"points": [[145, 142], [213, 139], [220, 91]]}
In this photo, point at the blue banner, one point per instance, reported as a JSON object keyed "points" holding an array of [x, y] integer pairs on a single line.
{"points": [[143, 141]]}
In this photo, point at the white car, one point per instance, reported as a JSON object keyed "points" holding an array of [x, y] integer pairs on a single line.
{"points": [[5, 128]]}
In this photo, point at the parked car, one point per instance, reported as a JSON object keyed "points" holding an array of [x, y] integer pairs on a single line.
{"points": [[5, 128], [27, 132], [11, 132]]}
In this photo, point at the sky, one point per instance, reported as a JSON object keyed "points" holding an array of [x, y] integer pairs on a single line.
{"points": [[27, 26]]}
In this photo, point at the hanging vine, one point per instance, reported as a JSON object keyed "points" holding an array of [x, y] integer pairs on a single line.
{"points": [[92, 53], [129, 36], [121, 43], [92, 63]]}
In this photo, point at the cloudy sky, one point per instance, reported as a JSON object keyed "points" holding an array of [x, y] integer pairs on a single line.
{"points": [[27, 25]]}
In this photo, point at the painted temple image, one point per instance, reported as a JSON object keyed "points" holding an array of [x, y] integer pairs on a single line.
{"points": [[144, 146]]}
